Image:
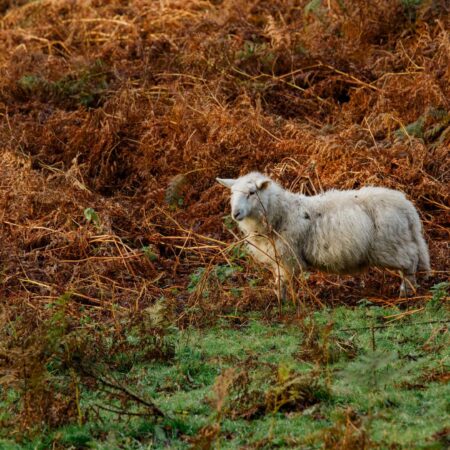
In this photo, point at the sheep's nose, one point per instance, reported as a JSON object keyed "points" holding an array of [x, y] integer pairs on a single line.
{"points": [[238, 215]]}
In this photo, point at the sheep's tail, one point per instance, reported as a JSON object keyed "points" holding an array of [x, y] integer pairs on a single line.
{"points": [[424, 255]]}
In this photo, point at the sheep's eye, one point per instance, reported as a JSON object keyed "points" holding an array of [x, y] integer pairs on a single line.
{"points": [[251, 193]]}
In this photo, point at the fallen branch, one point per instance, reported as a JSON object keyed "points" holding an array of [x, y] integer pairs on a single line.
{"points": [[148, 403]]}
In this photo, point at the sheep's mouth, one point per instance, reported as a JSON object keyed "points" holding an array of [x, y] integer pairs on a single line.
{"points": [[238, 216]]}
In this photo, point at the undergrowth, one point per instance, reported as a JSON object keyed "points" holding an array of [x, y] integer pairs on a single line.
{"points": [[248, 386], [131, 315]]}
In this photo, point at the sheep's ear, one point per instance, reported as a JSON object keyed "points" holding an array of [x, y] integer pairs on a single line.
{"points": [[227, 182], [262, 184]]}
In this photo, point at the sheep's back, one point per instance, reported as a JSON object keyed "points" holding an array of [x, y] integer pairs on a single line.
{"points": [[356, 228]]}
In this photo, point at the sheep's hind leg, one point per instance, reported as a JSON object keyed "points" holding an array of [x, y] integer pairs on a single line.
{"points": [[409, 284]]}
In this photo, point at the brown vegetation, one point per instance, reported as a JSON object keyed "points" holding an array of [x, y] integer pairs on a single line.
{"points": [[133, 108]]}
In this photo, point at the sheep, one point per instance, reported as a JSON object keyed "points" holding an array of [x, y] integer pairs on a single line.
{"points": [[342, 232]]}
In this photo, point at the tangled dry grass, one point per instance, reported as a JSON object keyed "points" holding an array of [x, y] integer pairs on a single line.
{"points": [[133, 108]]}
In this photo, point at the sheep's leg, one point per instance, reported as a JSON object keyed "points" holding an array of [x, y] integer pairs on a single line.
{"points": [[281, 291], [404, 260], [280, 287], [283, 280], [408, 286]]}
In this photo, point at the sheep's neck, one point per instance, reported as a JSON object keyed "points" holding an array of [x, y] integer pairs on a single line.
{"points": [[270, 221]]}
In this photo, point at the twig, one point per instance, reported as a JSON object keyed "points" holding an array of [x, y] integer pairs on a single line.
{"points": [[132, 395], [281, 80], [354, 79]]}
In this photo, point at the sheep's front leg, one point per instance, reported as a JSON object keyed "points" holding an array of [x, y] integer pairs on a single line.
{"points": [[282, 281], [280, 289]]}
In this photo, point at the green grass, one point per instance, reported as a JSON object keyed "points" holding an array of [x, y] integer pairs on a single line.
{"points": [[394, 391]]}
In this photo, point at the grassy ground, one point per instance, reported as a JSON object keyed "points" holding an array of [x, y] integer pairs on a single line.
{"points": [[130, 316], [362, 377]]}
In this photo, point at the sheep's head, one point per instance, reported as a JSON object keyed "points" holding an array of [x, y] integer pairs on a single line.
{"points": [[249, 195]]}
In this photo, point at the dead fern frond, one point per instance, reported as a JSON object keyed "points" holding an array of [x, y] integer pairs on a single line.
{"points": [[173, 194]]}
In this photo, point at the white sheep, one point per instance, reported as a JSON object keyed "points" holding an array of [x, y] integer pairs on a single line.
{"points": [[339, 232]]}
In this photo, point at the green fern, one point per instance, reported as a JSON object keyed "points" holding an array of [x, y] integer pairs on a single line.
{"points": [[415, 129], [312, 7], [374, 372]]}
